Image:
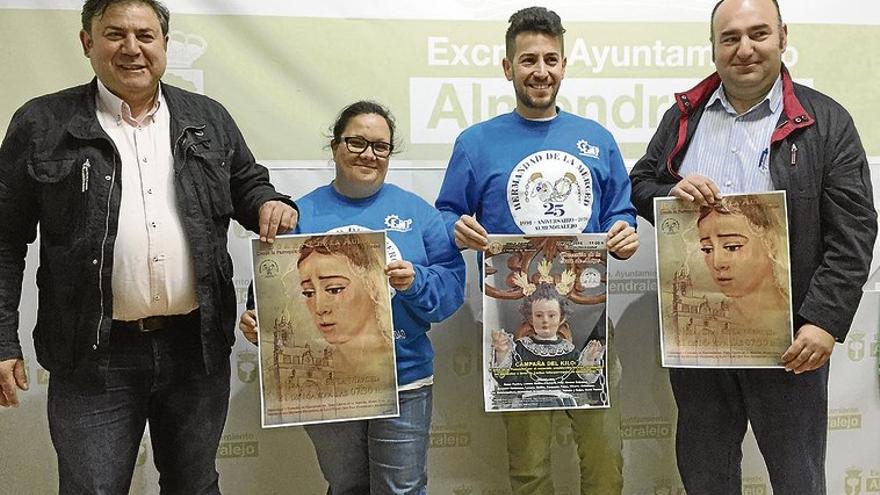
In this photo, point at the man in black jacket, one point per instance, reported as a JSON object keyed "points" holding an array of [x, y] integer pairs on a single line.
{"points": [[745, 129], [132, 183]]}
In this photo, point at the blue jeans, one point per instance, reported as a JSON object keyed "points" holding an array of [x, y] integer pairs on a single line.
{"points": [[156, 377], [788, 414], [378, 456]]}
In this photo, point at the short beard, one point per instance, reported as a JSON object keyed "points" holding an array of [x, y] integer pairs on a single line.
{"points": [[523, 98]]}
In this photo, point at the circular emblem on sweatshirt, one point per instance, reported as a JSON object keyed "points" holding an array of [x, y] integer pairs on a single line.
{"points": [[550, 191]]}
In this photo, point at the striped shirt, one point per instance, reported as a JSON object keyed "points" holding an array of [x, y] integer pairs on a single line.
{"points": [[733, 149]]}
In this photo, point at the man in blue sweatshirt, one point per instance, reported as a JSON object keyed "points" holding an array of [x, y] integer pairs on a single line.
{"points": [[539, 170]]}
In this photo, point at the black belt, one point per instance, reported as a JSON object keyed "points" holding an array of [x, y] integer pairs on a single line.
{"points": [[153, 323]]}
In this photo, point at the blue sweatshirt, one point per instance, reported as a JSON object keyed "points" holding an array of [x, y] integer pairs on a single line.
{"points": [[563, 175], [416, 233]]}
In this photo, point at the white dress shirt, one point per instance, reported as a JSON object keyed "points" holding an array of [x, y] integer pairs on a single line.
{"points": [[152, 265]]}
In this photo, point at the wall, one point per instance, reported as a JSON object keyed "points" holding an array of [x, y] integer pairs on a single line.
{"points": [[284, 69]]}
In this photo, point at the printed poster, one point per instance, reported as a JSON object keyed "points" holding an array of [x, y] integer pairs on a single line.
{"points": [[544, 323], [724, 282], [326, 341]]}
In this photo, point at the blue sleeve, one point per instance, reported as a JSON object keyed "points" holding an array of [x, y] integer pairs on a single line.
{"points": [[438, 289], [617, 192], [458, 194]]}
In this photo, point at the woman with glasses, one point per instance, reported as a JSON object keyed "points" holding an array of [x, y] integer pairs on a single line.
{"points": [[386, 456]]}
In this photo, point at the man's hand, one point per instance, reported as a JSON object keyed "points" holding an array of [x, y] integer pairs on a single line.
{"points": [[400, 274], [247, 323], [810, 350], [12, 375], [623, 240], [697, 189], [470, 234], [276, 217]]}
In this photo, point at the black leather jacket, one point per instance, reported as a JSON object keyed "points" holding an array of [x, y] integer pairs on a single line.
{"points": [[816, 157], [60, 170]]}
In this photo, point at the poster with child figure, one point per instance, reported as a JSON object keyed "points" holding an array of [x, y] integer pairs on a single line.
{"points": [[544, 336]]}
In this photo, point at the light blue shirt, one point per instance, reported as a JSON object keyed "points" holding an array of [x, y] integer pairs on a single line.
{"points": [[733, 149]]}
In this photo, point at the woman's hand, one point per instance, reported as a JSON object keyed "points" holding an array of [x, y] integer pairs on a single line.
{"points": [[400, 274]]}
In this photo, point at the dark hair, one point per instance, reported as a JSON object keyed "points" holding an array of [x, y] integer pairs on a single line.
{"points": [[543, 291], [532, 19], [715, 9], [96, 8], [362, 107]]}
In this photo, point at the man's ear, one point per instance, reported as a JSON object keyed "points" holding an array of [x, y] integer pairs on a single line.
{"points": [[508, 68], [86, 40], [783, 37]]}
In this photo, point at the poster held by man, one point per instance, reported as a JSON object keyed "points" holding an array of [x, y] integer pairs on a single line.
{"points": [[724, 281], [326, 347], [544, 332]]}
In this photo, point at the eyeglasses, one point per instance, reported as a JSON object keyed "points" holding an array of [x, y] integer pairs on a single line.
{"points": [[358, 145]]}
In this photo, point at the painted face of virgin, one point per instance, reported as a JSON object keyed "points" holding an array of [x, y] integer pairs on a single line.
{"points": [[337, 298], [546, 318], [736, 257]]}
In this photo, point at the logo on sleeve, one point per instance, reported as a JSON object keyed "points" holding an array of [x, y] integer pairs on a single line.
{"points": [[551, 191], [394, 222], [587, 149]]}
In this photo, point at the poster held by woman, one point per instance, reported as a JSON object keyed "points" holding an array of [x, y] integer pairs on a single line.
{"points": [[326, 351]]}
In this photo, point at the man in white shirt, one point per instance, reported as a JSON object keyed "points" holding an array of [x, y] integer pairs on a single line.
{"points": [[132, 183]]}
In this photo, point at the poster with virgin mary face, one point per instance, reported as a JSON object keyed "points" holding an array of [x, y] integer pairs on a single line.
{"points": [[544, 323], [326, 342], [724, 281]]}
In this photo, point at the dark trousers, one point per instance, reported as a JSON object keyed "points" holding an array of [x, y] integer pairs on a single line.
{"points": [[156, 377], [788, 414]]}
